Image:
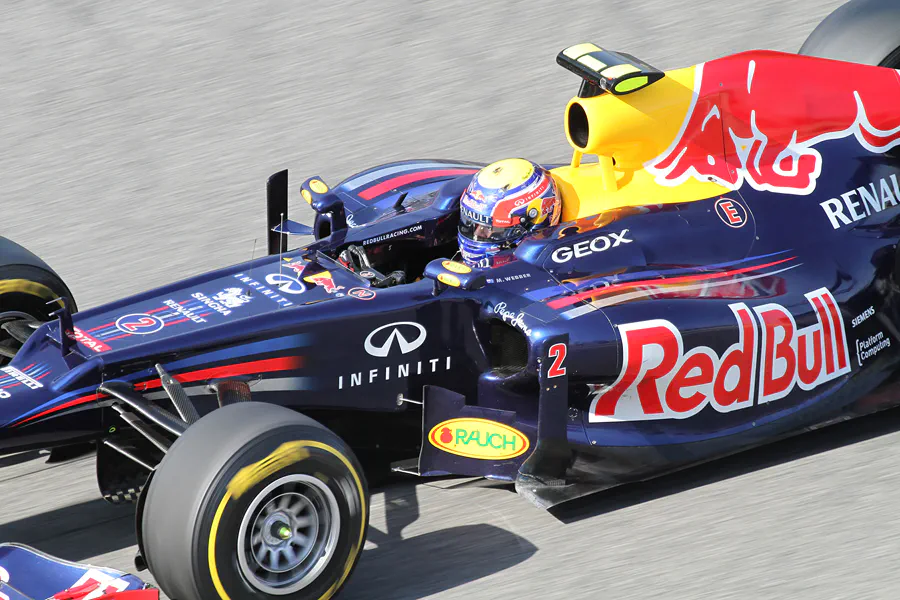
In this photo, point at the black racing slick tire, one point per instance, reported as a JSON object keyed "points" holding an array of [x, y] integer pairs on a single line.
{"points": [[255, 501], [860, 31], [28, 289]]}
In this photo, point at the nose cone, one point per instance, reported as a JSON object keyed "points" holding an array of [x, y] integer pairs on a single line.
{"points": [[39, 389]]}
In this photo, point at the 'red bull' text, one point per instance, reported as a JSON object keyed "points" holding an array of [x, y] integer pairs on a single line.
{"points": [[659, 379]]}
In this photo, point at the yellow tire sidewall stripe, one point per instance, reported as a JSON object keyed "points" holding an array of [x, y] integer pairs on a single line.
{"points": [[211, 549], [26, 286]]}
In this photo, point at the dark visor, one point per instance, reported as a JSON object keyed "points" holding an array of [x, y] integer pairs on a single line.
{"points": [[480, 232]]}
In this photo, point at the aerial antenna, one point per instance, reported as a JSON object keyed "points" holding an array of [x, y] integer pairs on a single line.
{"points": [[399, 203], [281, 244]]}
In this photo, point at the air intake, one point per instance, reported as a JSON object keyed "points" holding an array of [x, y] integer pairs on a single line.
{"points": [[508, 349]]}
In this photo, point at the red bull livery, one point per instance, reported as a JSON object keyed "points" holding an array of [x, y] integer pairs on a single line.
{"points": [[717, 267], [758, 117]]}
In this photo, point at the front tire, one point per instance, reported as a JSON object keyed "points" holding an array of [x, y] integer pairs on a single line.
{"points": [[255, 501], [27, 294]]}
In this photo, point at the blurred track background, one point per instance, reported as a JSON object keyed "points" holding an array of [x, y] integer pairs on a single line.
{"points": [[136, 138]]}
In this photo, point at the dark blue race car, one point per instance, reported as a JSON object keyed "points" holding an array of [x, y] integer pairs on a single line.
{"points": [[725, 274]]}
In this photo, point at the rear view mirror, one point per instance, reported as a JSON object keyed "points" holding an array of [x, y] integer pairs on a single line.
{"points": [[449, 273]]}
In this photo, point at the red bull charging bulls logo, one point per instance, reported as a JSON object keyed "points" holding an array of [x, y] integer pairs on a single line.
{"points": [[756, 117], [660, 379]]}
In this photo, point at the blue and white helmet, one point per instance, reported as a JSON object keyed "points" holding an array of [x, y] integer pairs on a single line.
{"points": [[504, 202]]}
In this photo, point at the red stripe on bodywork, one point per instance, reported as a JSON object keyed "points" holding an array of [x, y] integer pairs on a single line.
{"points": [[269, 365], [259, 366], [595, 293], [165, 324], [64, 405], [388, 185], [149, 312]]}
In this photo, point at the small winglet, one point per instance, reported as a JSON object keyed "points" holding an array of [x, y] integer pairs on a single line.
{"points": [[289, 227], [607, 71]]}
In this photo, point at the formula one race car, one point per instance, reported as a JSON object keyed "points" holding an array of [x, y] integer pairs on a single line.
{"points": [[725, 274]]}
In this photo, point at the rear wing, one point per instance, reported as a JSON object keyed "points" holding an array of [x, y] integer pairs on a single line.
{"points": [[607, 71]]}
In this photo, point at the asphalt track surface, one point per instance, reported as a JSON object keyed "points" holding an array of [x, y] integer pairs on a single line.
{"points": [[136, 138]]}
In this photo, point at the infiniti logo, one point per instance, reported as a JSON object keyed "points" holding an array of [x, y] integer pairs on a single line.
{"points": [[397, 338], [405, 334], [286, 283]]}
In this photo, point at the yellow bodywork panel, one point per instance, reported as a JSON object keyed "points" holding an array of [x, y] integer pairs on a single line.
{"points": [[632, 130], [583, 193]]}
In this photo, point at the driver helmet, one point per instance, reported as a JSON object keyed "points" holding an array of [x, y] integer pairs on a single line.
{"points": [[504, 202]]}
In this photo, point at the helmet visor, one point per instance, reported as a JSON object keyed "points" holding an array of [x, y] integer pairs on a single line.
{"points": [[480, 232]]}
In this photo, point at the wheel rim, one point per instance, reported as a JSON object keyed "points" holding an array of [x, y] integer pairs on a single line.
{"points": [[288, 534]]}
